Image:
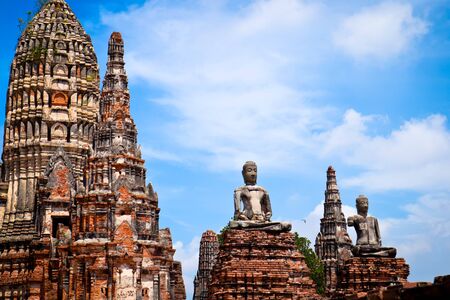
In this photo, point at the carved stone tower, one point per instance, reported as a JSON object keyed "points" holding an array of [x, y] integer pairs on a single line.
{"points": [[79, 222], [119, 212], [209, 248], [52, 103], [333, 243]]}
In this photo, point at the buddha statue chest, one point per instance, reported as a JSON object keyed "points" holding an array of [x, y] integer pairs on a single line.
{"points": [[366, 231], [254, 198]]}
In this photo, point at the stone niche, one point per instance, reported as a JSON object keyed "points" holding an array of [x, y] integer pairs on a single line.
{"points": [[60, 99]]}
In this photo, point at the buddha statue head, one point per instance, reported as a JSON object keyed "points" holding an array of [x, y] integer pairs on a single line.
{"points": [[249, 172], [362, 205]]}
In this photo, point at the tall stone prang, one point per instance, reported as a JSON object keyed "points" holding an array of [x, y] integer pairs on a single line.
{"points": [[333, 244], [258, 259], [52, 103], [118, 210], [89, 227], [209, 248]]}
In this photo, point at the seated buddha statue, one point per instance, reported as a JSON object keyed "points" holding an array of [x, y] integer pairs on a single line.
{"points": [[252, 207], [368, 241]]}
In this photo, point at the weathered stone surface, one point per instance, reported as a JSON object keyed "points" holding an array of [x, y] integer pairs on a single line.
{"points": [[261, 226], [362, 274], [256, 207], [52, 103], [177, 282], [260, 265], [333, 244], [209, 249], [80, 222], [440, 289], [368, 241]]}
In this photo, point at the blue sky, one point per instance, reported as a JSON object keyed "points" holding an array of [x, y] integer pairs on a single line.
{"points": [[296, 86]]}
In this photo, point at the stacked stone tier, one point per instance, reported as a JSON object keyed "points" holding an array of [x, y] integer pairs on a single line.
{"points": [[260, 265], [361, 274]]}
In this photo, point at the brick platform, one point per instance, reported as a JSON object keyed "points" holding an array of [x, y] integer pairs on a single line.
{"points": [[260, 265], [360, 274]]}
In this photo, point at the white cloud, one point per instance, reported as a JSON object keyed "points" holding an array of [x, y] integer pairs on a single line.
{"points": [[422, 237], [233, 79], [381, 31], [414, 157], [228, 76], [188, 255], [152, 153]]}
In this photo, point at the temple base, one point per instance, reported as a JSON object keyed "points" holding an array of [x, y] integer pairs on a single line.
{"points": [[260, 264], [361, 274]]}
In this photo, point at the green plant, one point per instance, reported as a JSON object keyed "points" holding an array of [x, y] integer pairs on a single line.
{"points": [[36, 53], [91, 77], [312, 261], [23, 23], [220, 235]]}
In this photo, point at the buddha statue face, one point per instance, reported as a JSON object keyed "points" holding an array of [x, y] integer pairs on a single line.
{"points": [[362, 205], [249, 172]]}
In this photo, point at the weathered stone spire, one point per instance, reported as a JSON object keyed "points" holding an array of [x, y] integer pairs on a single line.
{"points": [[115, 77], [118, 211], [333, 243], [79, 221], [115, 82], [52, 103], [209, 248], [116, 133]]}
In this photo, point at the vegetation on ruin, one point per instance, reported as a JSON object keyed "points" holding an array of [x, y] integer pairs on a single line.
{"points": [[23, 22], [36, 53], [220, 235], [312, 261]]}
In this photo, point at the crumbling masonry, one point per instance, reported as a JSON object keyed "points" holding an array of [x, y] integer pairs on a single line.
{"points": [[333, 244], [209, 249], [77, 220]]}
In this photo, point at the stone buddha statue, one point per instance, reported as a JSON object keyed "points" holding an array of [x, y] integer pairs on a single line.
{"points": [[368, 241], [256, 209], [255, 199]]}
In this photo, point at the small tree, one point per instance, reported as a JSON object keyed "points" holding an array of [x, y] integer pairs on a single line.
{"points": [[24, 22], [312, 261], [220, 235]]}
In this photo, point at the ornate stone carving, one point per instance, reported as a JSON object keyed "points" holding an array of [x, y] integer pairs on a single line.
{"points": [[333, 244], [103, 240], [209, 249]]}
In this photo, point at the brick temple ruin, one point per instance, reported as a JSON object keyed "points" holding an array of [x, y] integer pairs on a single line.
{"points": [[209, 249], [77, 220], [259, 260], [347, 272]]}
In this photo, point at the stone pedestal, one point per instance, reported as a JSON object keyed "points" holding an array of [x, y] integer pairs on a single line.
{"points": [[360, 274], [257, 264]]}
